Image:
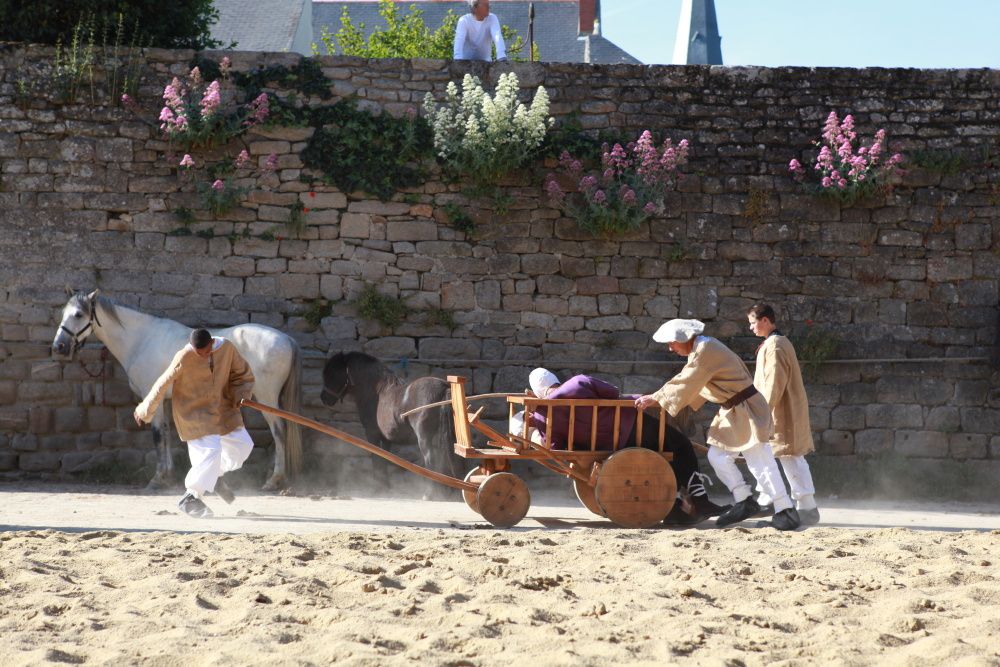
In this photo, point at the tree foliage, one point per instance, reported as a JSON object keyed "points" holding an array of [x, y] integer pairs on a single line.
{"points": [[177, 24], [404, 36]]}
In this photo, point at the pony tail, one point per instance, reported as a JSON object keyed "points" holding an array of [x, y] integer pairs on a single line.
{"points": [[291, 400]]}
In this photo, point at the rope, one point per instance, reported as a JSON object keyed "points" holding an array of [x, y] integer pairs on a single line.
{"points": [[101, 373]]}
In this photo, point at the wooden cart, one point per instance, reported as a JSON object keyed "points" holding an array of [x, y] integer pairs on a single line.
{"points": [[632, 486]]}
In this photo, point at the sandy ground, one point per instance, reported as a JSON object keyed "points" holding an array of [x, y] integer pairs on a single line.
{"points": [[117, 577]]}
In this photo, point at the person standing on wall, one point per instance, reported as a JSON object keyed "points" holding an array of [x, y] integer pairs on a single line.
{"points": [[209, 380], [779, 378], [742, 426], [475, 31]]}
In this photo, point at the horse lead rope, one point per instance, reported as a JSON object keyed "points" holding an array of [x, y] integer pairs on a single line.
{"points": [[102, 373]]}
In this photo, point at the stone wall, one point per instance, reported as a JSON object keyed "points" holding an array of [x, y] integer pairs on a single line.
{"points": [[88, 193]]}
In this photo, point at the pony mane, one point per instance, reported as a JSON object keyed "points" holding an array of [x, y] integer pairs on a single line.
{"points": [[374, 369]]}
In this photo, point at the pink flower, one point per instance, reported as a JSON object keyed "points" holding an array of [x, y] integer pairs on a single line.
{"points": [[195, 77], [211, 100], [650, 208], [842, 184], [218, 185], [243, 159], [588, 183], [826, 182], [186, 161], [629, 197], [258, 110], [225, 66], [795, 166], [554, 191], [271, 163], [600, 198]]}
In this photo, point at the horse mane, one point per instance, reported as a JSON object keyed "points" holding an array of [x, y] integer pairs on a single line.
{"points": [[371, 370], [110, 308]]}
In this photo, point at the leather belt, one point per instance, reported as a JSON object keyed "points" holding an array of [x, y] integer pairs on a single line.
{"points": [[740, 397]]}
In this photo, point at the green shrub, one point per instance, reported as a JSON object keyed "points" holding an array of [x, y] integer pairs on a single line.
{"points": [[357, 150], [179, 24], [386, 310]]}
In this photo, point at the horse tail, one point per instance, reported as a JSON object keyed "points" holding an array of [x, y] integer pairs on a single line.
{"points": [[446, 443], [291, 400]]}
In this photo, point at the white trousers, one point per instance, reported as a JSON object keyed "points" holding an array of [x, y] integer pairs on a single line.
{"points": [[800, 482], [214, 455], [762, 465]]}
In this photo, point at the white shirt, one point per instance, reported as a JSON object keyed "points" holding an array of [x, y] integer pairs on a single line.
{"points": [[472, 38]]}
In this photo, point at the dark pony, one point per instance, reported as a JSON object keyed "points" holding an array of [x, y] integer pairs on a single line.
{"points": [[381, 397]]}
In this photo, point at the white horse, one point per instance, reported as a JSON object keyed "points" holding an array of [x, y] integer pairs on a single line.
{"points": [[144, 345]]}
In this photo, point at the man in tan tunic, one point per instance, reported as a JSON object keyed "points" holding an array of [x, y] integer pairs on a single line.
{"points": [[742, 426], [779, 379], [209, 379]]}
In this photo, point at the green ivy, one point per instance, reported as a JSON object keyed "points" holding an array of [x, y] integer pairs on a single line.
{"points": [[459, 219], [357, 150], [386, 310], [316, 311], [307, 78]]}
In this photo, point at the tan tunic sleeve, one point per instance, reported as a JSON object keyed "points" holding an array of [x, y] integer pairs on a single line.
{"points": [[683, 389], [241, 379], [774, 374], [147, 408]]}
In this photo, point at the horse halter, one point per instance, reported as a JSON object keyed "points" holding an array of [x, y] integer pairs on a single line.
{"points": [[79, 336], [337, 396]]}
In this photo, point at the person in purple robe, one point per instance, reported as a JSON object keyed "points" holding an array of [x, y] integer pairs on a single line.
{"points": [[691, 482]]}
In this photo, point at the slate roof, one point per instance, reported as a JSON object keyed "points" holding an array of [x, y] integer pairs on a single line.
{"points": [[556, 25], [258, 25]]}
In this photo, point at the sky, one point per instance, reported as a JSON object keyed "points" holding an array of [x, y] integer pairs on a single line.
{"points": [[844, 33]]}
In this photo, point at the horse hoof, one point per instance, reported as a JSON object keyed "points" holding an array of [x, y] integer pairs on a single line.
{"points": [[275, 483]]}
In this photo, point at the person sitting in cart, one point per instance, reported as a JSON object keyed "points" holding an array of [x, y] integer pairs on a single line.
{"points": [[742, 427], [695, 505]]}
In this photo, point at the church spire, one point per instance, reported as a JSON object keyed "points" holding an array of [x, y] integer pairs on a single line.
{"points": [[698, 40]]}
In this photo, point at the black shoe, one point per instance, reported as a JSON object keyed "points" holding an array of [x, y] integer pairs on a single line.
{"points": [[765, 510], [699, 496], [223, 491], [784, 520], [679, 516], [194, 507], [740, 511]]}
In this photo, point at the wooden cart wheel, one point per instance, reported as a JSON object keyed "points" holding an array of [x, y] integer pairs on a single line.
{"points": [[470, 496], [503, 499], [585, 492], [636, 488]]}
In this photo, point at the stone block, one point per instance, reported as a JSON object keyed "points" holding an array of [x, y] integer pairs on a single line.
{"points": [[488, 295], [554, 284], [837, 443], [297, 286], [894, 416], [597, 285], [981, 420], [393, 347], [8, 461], [872, 442], [929, 444], [612, 304], [40, 461], [458, 296], [944, 418], [418, 230], [945, 269], [699, 302], [968, 445], [448, 348], [849, 417]]}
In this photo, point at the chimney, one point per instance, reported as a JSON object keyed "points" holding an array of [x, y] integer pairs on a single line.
{"points": [[588, 13]]}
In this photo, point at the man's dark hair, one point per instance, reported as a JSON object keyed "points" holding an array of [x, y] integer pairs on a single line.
{"points": [[762, 311], [201, 338]]}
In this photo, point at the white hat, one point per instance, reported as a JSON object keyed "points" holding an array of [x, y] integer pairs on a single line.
{"points": [[540, 379], [678, 331]]}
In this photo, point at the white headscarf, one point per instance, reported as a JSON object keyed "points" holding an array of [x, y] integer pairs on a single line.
{"points": [[678, 331], [540, 379]]}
